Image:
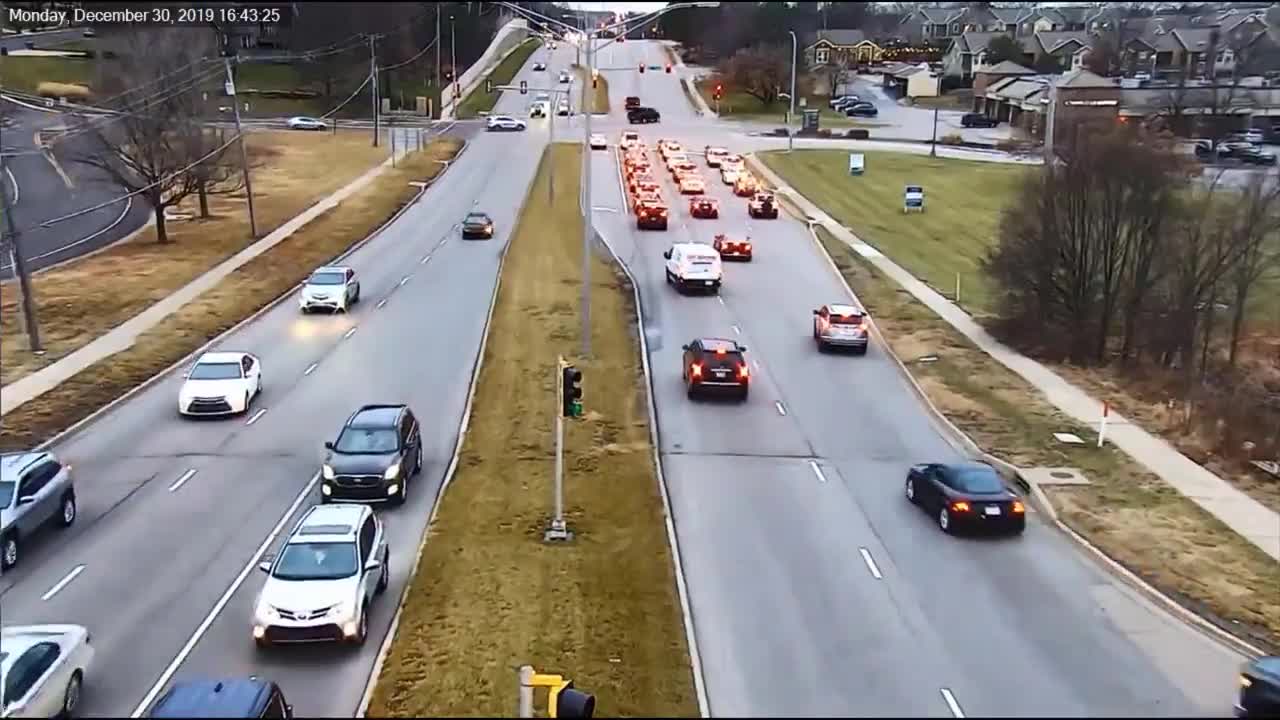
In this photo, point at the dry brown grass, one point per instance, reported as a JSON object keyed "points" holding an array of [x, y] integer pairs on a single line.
{"points": [[83, 299], [489, 595], [594, 100], [1133, 516], [257, 283], [63, 90]]}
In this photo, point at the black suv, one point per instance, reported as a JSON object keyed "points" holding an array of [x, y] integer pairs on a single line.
{"points": [[978, 120], [1259, 688], [247, 698], [640, 115], [632, 102], [378, 450], [715, 364]]}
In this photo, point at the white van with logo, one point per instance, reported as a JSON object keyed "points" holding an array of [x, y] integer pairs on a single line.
{"points": [[694, 266]]}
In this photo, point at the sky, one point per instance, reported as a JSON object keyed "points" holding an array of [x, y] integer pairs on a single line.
{"points": [[640, 7]]}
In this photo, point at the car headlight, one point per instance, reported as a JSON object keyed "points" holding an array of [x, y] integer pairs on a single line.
{"points": [[327, 472], [392, 472], [266, 612], [344, 609]]}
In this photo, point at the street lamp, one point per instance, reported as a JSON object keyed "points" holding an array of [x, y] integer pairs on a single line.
{"points": [[453, 64], [588, 49], [792, 96]]}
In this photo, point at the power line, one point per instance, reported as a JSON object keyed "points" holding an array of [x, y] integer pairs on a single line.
{"points": [[419, 54], [350, 97]]}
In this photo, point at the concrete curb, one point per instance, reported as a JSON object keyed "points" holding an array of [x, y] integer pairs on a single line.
{"points": [[163, 374], [464, 422], [961, 441], [691, 639]]}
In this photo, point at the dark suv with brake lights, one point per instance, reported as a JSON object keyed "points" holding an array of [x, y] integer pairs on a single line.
{"points": [[233, 698], [375, 455], [640, 115], [716, 364]]}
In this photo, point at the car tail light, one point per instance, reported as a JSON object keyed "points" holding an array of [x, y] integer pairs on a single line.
{"points": [[720, 351], [1018, 507], [960, 506], [742, 371], [695, 370], [746, 246]]}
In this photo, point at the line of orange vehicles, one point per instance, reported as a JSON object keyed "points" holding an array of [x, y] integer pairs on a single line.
{"points": [[645, 191]]}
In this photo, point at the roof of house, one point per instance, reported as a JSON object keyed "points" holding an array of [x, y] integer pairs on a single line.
{"points": [[909, 70], [1082, 78], [975, 42], [941, 15], [1008, 67], [837, 37], [1195, 39], [1053, 41], [1019, 90], [1010, 15]]}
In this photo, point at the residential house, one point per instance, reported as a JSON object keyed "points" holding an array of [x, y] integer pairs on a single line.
{"points": [[1064, 48], [932, 24], [911, 80], [991, 74], [841, 47], [1060, 19], [968, 53]]}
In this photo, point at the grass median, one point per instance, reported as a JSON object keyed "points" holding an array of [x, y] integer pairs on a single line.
{"points": [[248, 289], [83, 299], [489, 595], [503, 73], [1130, 514], [597, 98], [735, 105]]}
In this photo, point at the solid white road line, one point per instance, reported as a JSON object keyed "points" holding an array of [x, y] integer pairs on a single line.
{"points": [[182, 480], [350, 332], [310, 369], [382, 303], [952, 704], [871, 563], [222, 602], [813, 465], [781, 410], [256, 415], [63, 582], [737, 330], [404, 280], [17, 193]]}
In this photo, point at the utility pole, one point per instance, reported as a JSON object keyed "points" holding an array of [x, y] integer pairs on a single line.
{"points": [[1050, 129], [791, 114], [20, 266], [933, 146], [244, 153], [438, 48], [373, 69], [453, 63], [587, 227]]}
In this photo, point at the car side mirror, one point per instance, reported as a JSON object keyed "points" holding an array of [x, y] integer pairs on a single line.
{"points": [[684, 347], [817, 312], [264, 566], [666, 254], [743, 348], [26, 500], [186, 374], [373, 564], [328, 444]]}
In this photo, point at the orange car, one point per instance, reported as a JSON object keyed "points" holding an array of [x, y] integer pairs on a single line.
{"points": [[683, 166], [638, 179], [651, 215], [732, 248], [645, 199], [746, 186], [647, 187], [704, 207], [691, 184], [641, 168]]}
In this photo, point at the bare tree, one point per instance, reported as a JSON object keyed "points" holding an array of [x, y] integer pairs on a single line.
{"points": [[1256, 228], [760, 72], [155, 145]]}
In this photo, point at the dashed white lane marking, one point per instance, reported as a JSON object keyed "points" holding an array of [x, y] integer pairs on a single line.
{"points": [[182, 480], [720, 299], [349, 333], [404, 280], [63, 582], [737, 330], [222, 602], [382, 303], [256, 415], [871, 563], [310, 369], [813, 465], [952, 704], [424, 259], [782, 410]]}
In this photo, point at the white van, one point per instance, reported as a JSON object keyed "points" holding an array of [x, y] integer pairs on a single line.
{"points": [[693, 266]]}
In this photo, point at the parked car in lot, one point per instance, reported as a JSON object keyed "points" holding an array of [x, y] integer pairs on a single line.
{"points": [[861, 109], [978, 120]]}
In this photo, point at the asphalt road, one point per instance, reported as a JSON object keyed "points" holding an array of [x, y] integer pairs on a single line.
{"points": [[46, 191], [816, 588], [169, 575], [42, 40]]}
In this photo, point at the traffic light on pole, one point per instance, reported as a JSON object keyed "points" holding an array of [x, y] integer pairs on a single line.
{"points": [[668, 68], [565, 702], [524, 87], [641, 68], [719, 91], [571, 392]]}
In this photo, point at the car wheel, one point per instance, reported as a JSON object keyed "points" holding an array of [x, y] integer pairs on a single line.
{"points": [[911, 491], [690, 392], [944, 520], [248, 398], [261, 643], [306, 310], [862, 350], [363, 631], [68, 516], [9, 551], [383, 579], [71, 698], [417, 463], [746, 392]]}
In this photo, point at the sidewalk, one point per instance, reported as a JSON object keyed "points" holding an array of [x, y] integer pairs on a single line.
{"points": [[123, 337], [1246, 516]]}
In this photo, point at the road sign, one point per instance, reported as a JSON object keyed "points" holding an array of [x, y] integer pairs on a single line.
{"points": [[488, 85], [524, 87], [857, 163]]}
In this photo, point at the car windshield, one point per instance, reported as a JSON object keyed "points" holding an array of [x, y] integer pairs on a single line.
{"points": [[6, 492], [850, 319], [372, 441], [977, 480], [216, 371], [317, 561], [477, 218], [327, 278]]}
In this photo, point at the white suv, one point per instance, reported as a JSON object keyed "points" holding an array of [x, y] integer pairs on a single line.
{"points": [[504, 122], [694, 266], [319, 588], [332, 288]]}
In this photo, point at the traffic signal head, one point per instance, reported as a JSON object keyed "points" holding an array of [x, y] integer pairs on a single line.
{"points": [[488, 85], [641, 68], [719, 90], [565, 702], [668, 67], [571, 392], [524, 87]]}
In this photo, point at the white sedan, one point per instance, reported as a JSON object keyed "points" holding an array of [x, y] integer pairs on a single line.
{"points": [[598, 141], [43, 668], [504, 122], [306, 123], [220, 383]]}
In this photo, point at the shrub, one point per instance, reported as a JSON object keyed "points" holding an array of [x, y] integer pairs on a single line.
{"points": [[951, 139]]}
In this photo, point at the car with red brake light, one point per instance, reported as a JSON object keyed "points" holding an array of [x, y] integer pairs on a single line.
{"points": [[965, 496], [714, 155], [667, 147], [683, 166], [704, 207], [762, 205], [840, 326], [637, 180], [692, 185], [745, 186], [716, 365], [651, 215], [731, 248], [647, 187]]}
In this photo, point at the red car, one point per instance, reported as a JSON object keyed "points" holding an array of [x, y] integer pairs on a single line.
{"points": [[731, 248], [651, 216], [704, 207]]}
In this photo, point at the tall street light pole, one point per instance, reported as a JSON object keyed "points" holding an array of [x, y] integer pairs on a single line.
{"points": [[453, 63], [587, 226], [19, 265], [791, 114], [439, 47]]}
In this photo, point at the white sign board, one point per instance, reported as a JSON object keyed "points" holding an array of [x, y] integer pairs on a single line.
{"points": [[857, 163], [229, 87]]}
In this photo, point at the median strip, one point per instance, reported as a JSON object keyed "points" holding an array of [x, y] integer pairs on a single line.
{"points": [[251, 287], [489, 595], [593, 99]]}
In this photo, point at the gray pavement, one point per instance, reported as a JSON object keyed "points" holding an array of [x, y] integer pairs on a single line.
{"points": [[774, 511], [42, 40], [168, 576]]}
